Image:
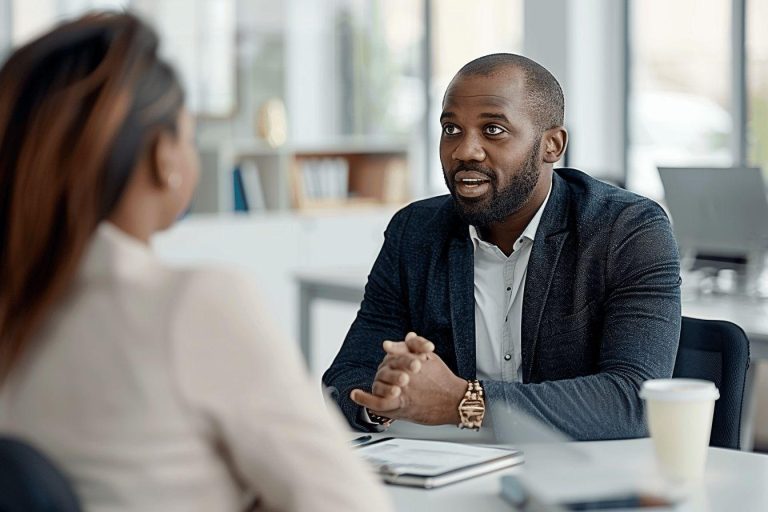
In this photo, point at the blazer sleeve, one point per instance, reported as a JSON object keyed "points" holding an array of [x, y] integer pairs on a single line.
{"points": [[383, 315], [246, 385], [641, 330]]}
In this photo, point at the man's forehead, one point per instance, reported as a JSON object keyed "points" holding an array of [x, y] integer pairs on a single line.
{"points": [[485, 100], [501, 90]]}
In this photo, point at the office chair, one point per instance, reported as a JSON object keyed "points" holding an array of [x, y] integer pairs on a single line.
{"points": [[718, 351], [29, 482]]}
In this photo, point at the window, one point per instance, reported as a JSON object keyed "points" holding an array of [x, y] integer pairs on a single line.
{"points": [[757, 83], [197, 36], [379, 63], [680, 88], [30, 18]]}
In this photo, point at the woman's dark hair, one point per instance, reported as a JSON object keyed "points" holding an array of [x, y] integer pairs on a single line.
{"points": [[79, 107]]}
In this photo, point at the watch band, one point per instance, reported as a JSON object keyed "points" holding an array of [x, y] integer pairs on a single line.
{"points": [[472, 406]]}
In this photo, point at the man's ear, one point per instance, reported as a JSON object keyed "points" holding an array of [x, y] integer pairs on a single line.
{"points": [[555, 140]]}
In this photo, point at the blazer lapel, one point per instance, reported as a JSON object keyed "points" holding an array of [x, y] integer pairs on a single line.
{"points": [[461, 285], [545, 254]]}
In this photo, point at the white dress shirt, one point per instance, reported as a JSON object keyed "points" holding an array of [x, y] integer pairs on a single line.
{"points": [[499, 290], [165, 389]]}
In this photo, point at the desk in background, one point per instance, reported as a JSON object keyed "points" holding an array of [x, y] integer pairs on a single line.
{"points": [[340, 285], [751, 314], [347, 285]]}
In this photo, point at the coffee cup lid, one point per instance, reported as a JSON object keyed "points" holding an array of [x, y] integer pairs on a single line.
{"points": [[679, 389]]}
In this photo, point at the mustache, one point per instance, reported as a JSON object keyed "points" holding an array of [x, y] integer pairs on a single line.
{"points": [[476, 167]]}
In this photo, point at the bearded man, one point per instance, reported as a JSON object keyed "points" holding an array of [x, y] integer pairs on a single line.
{"points": [[530, 288]]}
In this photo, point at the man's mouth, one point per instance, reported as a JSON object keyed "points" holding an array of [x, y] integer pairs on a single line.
{"points": [[471, 184]]}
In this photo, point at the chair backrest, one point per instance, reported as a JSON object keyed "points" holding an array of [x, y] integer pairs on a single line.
{"points": [[718, 351], [30, 482]]}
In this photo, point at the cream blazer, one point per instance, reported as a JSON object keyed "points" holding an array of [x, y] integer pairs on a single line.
{"points": [[165, 389]]}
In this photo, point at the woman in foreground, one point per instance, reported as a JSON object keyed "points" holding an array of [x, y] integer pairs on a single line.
{"points": [[152, 388]]}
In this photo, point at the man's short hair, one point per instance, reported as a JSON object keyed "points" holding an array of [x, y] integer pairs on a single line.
{"points": [[544, 94]]}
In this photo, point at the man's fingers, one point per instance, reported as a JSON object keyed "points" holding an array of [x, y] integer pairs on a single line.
{"points": [[395, 347], [406, 363], [385, 390], [373, 402], [394, 377], [419, 345]]}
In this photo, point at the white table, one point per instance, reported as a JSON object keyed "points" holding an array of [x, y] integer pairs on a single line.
{"points": [[734, 481]]}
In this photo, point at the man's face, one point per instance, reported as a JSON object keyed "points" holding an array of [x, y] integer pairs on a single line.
{"points": [[489, 147]]}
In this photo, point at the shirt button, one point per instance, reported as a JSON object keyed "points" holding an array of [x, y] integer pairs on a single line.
{"points": [[509, 288], [507, 357]]}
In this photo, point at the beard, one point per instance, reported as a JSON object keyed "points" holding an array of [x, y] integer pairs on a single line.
{"points": [[503, 202]]}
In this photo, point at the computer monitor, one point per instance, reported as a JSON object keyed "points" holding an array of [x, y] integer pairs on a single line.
{"points": [[717, 210], [719, 214]]}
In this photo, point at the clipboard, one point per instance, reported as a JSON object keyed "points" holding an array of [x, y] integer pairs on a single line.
{"points": [[430, 464]]}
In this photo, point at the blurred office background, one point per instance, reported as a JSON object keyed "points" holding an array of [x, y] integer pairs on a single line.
{"points": [[317, 119]]}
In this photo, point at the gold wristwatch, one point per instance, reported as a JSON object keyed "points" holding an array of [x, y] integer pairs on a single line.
{"points": [[472, 406]]}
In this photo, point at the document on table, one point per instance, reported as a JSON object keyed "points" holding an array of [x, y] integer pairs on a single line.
{"points": [[422, 463]]}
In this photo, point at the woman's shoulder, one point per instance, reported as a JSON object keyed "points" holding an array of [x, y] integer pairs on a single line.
{"points": [[211, 277], [214, 286]]}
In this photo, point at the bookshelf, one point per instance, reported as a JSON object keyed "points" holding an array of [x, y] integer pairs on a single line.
{"points": [[255, 178]]}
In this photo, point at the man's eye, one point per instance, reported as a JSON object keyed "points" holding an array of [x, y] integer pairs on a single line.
{"points": [[494, 130], [451, 129]]}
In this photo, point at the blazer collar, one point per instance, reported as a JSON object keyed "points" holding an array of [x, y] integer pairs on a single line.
{"points": [[545, 253], [461, 290]]}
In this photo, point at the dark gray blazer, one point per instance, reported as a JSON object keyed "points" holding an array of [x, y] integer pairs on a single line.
{"points": [[601, 307]]}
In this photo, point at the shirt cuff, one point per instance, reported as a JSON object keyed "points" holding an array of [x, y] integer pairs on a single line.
{"points": [[363, 418]]}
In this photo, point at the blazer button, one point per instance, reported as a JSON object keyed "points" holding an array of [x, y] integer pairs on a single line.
{"points": [[507, 357]]}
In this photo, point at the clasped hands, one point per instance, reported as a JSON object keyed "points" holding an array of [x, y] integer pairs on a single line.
{"points": [[413, 383]]}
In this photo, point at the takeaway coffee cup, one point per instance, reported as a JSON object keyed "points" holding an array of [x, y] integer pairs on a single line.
{"points": [[679, 413]]}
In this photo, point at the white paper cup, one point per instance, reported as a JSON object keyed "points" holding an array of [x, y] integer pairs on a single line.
{"points": [[679, 414]]}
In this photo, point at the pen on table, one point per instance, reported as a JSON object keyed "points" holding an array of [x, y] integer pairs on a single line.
{"points": [[360, 440], [616, 502]]}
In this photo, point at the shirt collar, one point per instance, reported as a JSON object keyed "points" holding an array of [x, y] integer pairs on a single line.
{"points": [[113, 252], [528, 233]]}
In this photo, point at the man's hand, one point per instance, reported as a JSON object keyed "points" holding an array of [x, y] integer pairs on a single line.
{"points": [[402, 359], [413, 383]]}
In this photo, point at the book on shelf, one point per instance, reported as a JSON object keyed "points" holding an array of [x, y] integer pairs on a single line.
{"points": [[254, 192], [325, 178], [240, 202]]}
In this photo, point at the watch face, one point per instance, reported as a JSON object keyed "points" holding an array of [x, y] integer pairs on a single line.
{"points": [[471, 413], [471, 405]]}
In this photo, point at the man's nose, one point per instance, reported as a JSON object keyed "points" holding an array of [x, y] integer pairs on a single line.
{"points": [[469, 149]]}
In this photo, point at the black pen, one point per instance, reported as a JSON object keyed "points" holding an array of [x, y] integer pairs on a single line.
{"points": [[614, 502], [361, 440]]}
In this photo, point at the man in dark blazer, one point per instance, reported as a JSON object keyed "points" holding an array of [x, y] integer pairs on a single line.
{"points": [[538, 290]]}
